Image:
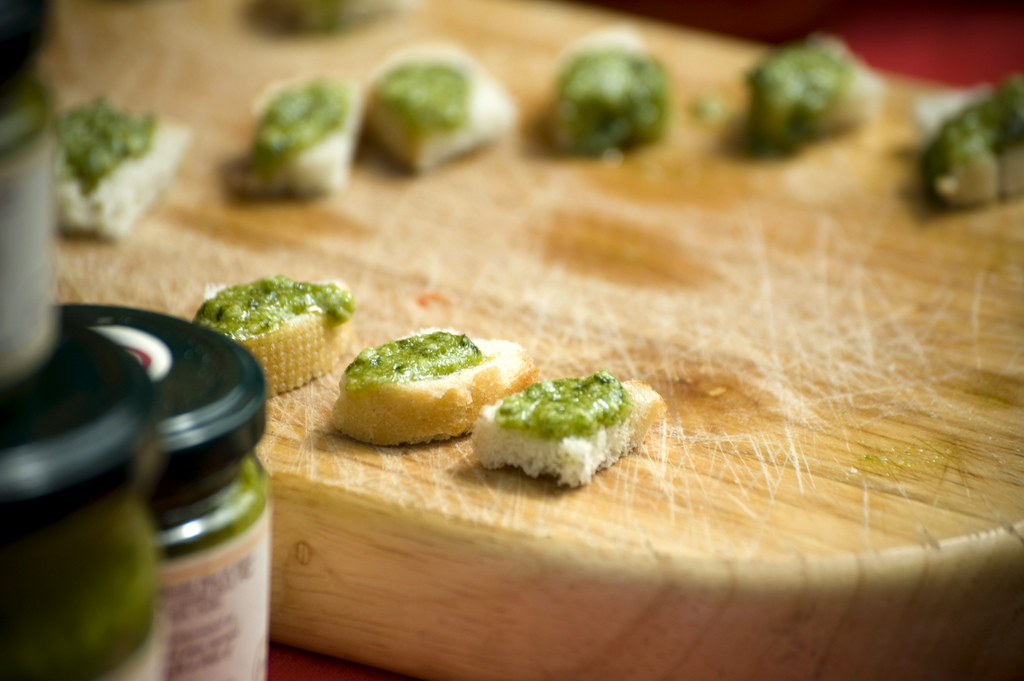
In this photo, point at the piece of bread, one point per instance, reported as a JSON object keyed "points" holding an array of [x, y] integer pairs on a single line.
{"points": [[333, 15], [801, 92], [299, 351], [434, 409], [624, 39], [302, 349], [116, 203], [990, 174], [861, 100], [322, 168], [572, 460], [492, 113]]}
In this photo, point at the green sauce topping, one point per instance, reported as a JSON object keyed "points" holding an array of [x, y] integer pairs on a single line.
{"points": [[791, 92], [95, 140], [296, 120], [567, 407], [78, 596], [989, 126], [249, 310], [416, 358], [427, 96], [612, 99]]}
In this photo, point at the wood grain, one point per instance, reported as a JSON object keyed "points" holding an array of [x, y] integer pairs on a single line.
{"points": [[838, 489]]}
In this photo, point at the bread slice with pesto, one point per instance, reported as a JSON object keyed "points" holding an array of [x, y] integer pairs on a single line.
{"points": [[973, 151], [427, 386], [807, 90], [610, 95], [430, 104], [568, 428], [305, 138], [333, 15], [111, 166], [297, 331]]}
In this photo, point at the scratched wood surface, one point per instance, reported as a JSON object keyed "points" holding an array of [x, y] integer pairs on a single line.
{"points": [[838, 488]]}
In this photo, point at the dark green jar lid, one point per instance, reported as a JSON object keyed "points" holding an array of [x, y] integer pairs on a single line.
{"points": [[211, 396], [80, 427]]}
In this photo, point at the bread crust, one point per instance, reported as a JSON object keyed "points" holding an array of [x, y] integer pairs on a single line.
{"points": [[299, 351], [572, 460], [434, 409]]}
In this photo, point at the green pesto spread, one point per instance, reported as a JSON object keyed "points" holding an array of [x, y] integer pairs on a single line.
{"points": [[78, 597], [95, 139], [989, 126], [24, 113], [790, 94], [417, 358], [225, 515], [249, 310], [296, 120], [611, 99], [567, 407], [427, 96]]}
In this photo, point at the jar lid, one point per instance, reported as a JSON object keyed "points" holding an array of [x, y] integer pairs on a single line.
{"points": [[79, 427], [21, 29], [211, 393]]}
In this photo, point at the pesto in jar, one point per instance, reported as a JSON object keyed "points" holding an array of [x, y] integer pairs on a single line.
{"points": [[427, 96], [567, 407], [220, 516], [95, 139], [989, 126], [791, 93], [24, 113], [416, 358], [296, 120], [78, 596], [611, 99], [249, 310]]}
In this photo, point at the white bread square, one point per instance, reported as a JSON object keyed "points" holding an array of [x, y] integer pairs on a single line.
{"points": [[330, 15], [434, 409], [572, 460], [492, 113], [321, 169], [116, 203], [988, 176], [861, 100]]}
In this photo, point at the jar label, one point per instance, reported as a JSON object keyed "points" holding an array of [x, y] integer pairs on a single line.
{"points": [[216, 604], [28, 320]]}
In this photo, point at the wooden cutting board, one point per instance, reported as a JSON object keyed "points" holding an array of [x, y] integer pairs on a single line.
{"points": [[838, 489]]}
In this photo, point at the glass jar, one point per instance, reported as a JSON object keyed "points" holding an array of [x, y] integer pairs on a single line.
{"points": [[211, 504], [78, 562], [28, 324]]}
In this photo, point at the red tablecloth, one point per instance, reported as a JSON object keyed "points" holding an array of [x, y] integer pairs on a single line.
{"points": [[956, 42]]}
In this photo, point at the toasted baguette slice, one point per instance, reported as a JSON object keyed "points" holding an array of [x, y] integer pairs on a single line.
{"points": [[302, 349], [320, 169], [492, 113], [299, 351], [572, 460], [113, 207], [434, 409]]}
